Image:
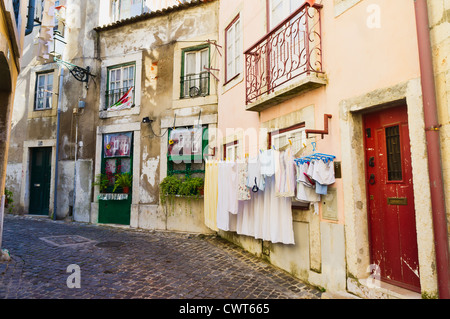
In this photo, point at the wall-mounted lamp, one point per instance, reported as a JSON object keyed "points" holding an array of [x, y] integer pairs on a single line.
{"points": [[146, 120]]}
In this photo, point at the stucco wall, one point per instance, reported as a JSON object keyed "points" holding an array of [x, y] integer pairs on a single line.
{"points": [[367, 65]]}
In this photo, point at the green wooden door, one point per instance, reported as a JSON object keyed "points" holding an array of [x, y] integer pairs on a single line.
{"points": [[115, 206], [40, 181]]}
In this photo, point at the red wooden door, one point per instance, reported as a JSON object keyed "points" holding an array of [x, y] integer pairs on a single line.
{"points": [[392, 223]]}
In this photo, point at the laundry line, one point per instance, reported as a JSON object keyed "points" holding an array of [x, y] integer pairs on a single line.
{"points": [[253, 197]]}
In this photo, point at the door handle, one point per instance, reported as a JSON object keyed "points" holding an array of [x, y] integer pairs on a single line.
{"points": [[372, 162], [372, 179], [37, 185]]}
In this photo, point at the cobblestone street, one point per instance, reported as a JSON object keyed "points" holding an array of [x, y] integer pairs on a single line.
{"points": [[118, 263]]}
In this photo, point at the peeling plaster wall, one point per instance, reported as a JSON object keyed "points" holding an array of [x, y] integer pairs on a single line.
{"points": [[155, 44]]}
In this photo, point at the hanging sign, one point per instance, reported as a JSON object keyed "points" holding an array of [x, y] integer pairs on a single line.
{"points": [[117, 145]]}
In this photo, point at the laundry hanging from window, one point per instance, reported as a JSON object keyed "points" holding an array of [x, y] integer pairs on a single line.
{"points": [[260, 205]]}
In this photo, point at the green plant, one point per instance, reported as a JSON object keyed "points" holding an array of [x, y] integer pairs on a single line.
{"points": [[9, 200], [173, 185], [123, 180], [192, 186], [102, 181], [169, 186]]}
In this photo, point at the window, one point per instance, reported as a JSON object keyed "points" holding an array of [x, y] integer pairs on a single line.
{"points": [[120, 80], [231, 151], [123, 9], [234, 49], [187, 147], [281, 9], [44, 89], [195, 74], [296, 134], [394, 154]]}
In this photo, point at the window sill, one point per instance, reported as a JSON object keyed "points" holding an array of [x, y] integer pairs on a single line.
{"points": [[43, 113], [197, 101], [103, 114]]}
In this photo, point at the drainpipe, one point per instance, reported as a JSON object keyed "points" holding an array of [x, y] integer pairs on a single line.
{"points": [[30, 18], [61, 81], [432, 128]]}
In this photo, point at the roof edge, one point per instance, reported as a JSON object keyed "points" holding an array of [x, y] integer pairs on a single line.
{"points": [[150, 15]]}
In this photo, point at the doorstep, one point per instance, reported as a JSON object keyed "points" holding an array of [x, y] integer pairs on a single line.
{"points": [[360, 287]]}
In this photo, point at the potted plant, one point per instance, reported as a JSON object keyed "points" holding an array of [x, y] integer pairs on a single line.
{"points": [[102, 181], [169, 187], [124, 181], [192, 186]]}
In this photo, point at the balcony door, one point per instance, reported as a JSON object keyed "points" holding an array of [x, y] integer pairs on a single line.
{"points": [[281, 9], [287, 44]]}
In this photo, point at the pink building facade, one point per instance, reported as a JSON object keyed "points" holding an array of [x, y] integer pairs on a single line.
{"points": [[341, 78]]}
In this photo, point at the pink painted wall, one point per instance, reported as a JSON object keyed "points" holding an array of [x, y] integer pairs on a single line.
{"points": [[357, 59]]}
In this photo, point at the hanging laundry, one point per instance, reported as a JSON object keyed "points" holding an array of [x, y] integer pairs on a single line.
{"points": [[285, 173], [267, 159], [226, 197], [279, 211], [211, 194], [324, 172], [255, 180], [305, 190], [243, 190]]}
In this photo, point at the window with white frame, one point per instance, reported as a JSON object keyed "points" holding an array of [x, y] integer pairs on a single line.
{"points": [[44, 91], [195, 75], [281, 9], [233, 55], [123, 9], [295, 134], [121, 79], [231, 151]]}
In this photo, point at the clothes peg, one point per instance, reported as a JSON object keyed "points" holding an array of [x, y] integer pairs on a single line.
{"points": [[314, 146]]}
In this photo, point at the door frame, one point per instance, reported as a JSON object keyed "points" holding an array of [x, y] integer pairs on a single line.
{"points": [[24, 200], [354, 193]]}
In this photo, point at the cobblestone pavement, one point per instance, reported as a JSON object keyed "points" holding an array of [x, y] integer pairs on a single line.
{"points": [[118, 263]]}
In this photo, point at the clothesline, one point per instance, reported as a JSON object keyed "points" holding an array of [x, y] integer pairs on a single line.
{"points": [[254, 197]]}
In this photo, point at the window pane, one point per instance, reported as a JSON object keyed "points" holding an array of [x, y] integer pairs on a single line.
{"points": [[393, 151], [131, 73], [190, 63], [205, 60], [41, 80]]}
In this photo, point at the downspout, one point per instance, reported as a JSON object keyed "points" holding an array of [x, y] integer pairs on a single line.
{"points": [[30, 18], [58, 120], [432, 129]]}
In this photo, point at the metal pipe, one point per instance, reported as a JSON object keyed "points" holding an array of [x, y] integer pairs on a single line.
{"points": [[433, 147], [30, 18], [61, 82]]}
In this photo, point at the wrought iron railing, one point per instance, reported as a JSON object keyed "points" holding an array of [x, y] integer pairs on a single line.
{"points": [[195, 85], [291, 49], [112, 96]]}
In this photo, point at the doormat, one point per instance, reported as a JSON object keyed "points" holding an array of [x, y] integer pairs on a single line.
{"points": [[66, 240]]}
